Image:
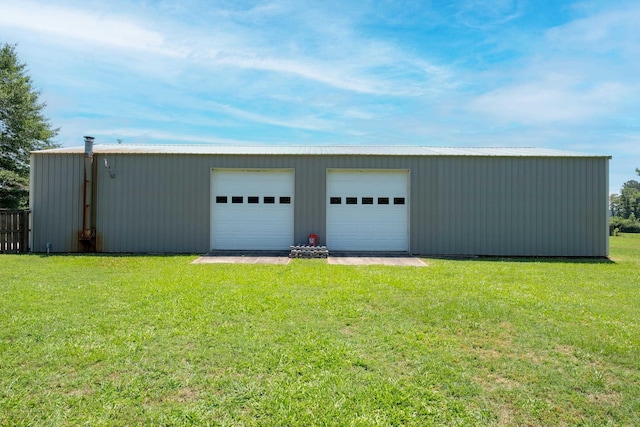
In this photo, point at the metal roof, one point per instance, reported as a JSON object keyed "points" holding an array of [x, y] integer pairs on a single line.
{"points": [[327, 150]]}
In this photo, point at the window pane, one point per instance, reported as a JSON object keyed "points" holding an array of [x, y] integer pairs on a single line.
{"points": [[383, 200], [253, 199], [335, 200], [367, 200], [237, 199], [398, 200], [285, 200], [352, 200], [269, 200], [221, 199]]}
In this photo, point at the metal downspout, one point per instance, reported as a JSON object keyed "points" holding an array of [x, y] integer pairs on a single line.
{"points": [[87, 237]]}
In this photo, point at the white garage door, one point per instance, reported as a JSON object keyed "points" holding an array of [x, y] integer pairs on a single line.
{"points": [[367, 210], [252, 209]]}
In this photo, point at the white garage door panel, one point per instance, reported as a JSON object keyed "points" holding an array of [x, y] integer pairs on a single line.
{"points": [[252, 226], [368, 227]]}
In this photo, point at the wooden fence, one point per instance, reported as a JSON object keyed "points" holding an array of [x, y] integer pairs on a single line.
{"points": [[14, 231]]}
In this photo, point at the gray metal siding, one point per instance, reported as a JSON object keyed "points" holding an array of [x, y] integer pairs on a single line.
{"points": [[459, 205], [155, 203], [56, 199], [504, 206]]}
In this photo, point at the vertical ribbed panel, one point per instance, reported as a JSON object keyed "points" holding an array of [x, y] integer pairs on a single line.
{"points": [[516, 207], [310, 187], [56, 197], [155, 203]]}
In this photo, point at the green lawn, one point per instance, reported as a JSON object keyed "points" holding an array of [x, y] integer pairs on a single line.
{"points": [[137, 340]]}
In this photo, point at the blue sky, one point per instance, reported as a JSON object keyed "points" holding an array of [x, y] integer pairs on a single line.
{"points": [[468, 73]]}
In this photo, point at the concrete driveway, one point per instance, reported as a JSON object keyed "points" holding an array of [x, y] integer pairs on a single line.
{"points": [[240, 259], [404, 261]]}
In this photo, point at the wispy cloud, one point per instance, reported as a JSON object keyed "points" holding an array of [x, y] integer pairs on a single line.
{"points": [[346, 75], [489, 13], [581, 71], [607, 31], [85, 27], [307, 122], [319, 72], [549, 100], [353, 64]]}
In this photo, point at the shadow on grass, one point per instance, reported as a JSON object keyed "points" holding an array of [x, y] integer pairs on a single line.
{"points": [[528, 259], [112, 254]]}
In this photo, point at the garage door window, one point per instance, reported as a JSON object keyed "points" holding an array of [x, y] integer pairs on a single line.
{"points": [[352, 200], [335, 200], [267, 200], [367, 200], [383, 200], [398, 200]]}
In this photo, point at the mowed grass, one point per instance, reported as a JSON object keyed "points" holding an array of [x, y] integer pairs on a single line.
{"points": [[137, 340]]}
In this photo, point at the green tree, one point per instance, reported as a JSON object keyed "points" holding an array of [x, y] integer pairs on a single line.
{"points": [[630, 199], [614, 204], [23, 128]]}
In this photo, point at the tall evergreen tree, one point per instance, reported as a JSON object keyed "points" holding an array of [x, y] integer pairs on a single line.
{"points": [[23, 128]]}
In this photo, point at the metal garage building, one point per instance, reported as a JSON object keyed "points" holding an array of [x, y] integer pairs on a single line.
{"points": [[422, 200]]}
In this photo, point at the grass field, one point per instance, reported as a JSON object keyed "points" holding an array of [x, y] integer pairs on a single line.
{"points": [[137, 340]]}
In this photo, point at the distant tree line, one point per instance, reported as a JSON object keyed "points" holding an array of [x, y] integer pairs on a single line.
{"points": [[624, 208]]}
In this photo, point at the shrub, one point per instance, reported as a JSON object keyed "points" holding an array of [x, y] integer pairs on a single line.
{"points": [[623, 225]]}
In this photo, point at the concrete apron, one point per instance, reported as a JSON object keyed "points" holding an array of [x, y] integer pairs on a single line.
{"points": [[223, 259], [404, 261]]}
